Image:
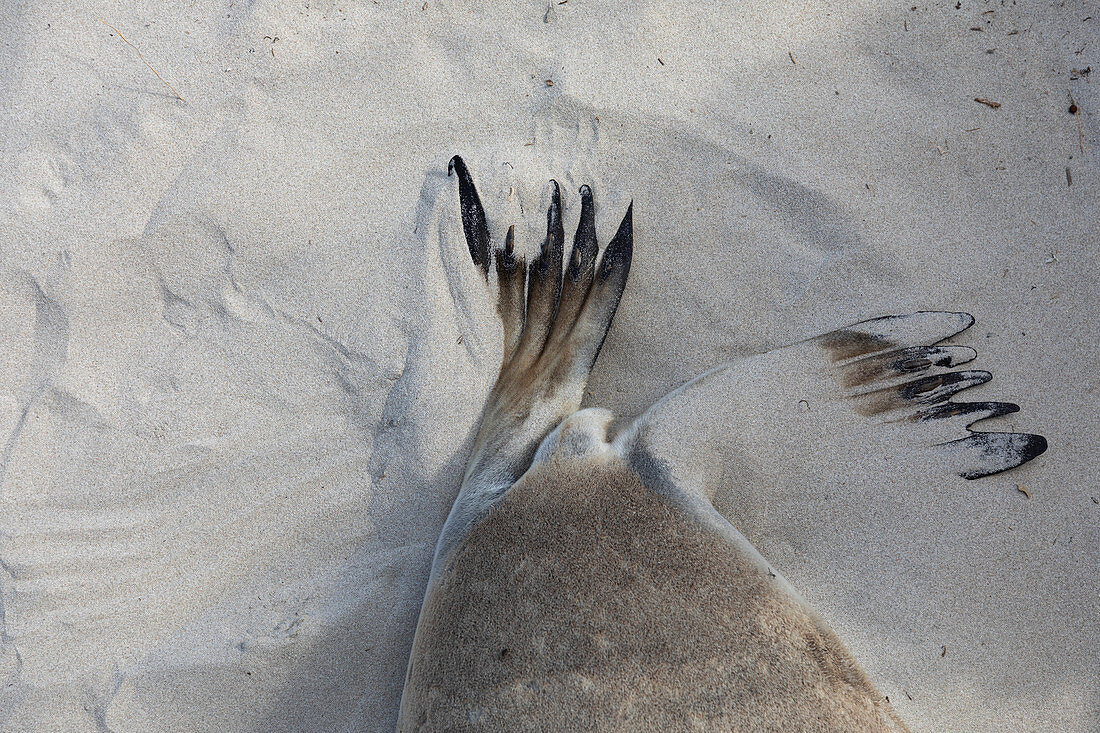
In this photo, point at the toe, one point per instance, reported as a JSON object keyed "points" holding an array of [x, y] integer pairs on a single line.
{"points": [[984, 454]]}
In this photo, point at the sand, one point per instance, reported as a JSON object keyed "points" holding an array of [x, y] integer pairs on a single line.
{"points": [[243, 362]]}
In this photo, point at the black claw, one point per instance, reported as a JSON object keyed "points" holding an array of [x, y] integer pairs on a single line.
{"points": [[917, 359], [585, 247], [473, 215], [1035, 446], [621, 250], [506, 257], [553, 214], [971, 411], [555, 231], [997, 452], [939, 387]]}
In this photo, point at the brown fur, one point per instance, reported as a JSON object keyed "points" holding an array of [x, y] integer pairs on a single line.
{"points": [[844, 344], [585, 601], [891, 364]]}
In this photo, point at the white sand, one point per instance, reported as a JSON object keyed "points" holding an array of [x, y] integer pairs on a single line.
{"points": [[242, 368]]}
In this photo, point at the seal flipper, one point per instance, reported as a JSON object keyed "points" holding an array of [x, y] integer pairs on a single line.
{"points": [[874, 393], [549, 346]]}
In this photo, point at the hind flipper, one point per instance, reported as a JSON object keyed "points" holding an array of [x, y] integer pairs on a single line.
{"points": [[554, 321]]}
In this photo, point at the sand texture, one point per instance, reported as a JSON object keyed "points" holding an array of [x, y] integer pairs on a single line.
{"points": [[245, 351]]}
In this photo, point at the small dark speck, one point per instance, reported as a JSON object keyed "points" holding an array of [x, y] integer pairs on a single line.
{"points": [[1073, 109], [943, 650], [1095, 500], [506, 653], [662, 63]]}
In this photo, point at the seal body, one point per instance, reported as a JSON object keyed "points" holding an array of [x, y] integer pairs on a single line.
{"points": [[582, 584], [585, 600]]}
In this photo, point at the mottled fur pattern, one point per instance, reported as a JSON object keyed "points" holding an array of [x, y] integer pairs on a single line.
{"points": [[586, 601]]}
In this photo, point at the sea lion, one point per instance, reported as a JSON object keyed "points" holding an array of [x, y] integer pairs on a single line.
{"points": [[587, 583]]}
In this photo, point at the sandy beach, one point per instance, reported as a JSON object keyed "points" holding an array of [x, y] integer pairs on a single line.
{"points": [[243, 366]]}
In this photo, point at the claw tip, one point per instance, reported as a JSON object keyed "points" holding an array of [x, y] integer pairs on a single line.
{"points": [[455, 162]]}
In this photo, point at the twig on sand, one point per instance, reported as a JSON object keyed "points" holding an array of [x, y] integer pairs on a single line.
{"points": [[986, 102], [792, 57], [1076, 112], [1023, 490], [116, 30]]}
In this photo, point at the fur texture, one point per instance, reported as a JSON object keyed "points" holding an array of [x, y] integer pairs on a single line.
{"points": [[584, 600]]}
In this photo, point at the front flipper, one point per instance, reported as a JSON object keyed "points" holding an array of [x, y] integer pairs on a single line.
{"points": [[876, 393], [899, 377]]}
